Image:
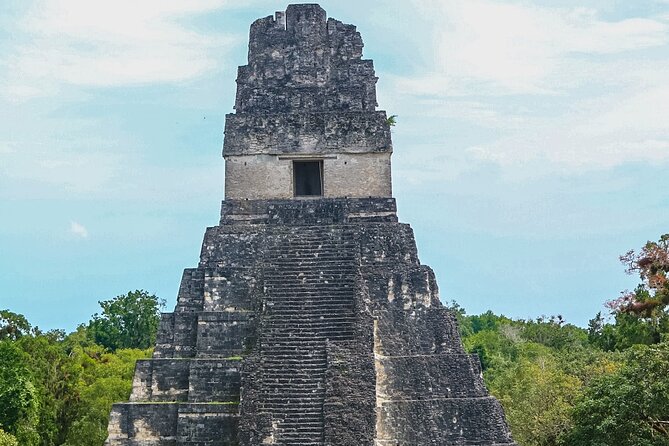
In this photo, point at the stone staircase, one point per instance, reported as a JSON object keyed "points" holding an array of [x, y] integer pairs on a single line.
{"points": [[309, 281]]}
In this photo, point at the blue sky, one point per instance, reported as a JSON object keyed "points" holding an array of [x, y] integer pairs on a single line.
{"points": [[532, 145]]}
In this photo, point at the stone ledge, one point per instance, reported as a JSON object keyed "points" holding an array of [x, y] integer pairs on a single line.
{"points": [[186, 380], [443, 376], [309, 212], [316, 133], [462, 421], [170, 423]]}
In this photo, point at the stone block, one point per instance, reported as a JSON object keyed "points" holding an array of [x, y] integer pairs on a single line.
{"points": [[140, 424], [189, 297], [222, 334], [435, 376], [305, 212], [214, 380], [230, 247], [177, 334], [381, 247], [208, 425], [228, 289], [428, 422], [165, 336], [161, 380], [349, 407]]}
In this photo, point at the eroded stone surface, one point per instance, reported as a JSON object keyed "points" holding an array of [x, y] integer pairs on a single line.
{"points": [[308, 321]]}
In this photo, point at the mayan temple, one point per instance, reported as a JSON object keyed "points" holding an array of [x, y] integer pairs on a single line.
{"points": [[309, 319]]}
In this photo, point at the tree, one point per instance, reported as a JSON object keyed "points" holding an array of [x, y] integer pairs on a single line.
{"points": [[537, 396], [107, 379], [554, 332], [495, 349], [19, 403], [55, 376], [13, 325], [641, 316], [629, 406], [127, 321], [602, 334], [652, 295], [537, 369], [487, 321]]}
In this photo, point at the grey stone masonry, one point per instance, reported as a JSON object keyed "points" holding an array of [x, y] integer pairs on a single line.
{"points": [[305, 88], [308, 320], [302, 61], [306, 92]]}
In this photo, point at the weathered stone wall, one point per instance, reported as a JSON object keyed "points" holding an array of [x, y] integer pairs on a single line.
{"points": [[271, 177], [179, 379], [446, 421], [304, 61]]}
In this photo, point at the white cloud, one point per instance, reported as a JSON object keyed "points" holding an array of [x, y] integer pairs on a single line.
{"points": [[96, 171], [600, 134], [543, 89], [643, 112], [6, 148], [475, 111], [78, 229], [81, 42], [514, 47]]}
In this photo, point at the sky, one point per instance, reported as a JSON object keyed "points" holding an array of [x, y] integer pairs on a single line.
{"points": [[531, 147]]}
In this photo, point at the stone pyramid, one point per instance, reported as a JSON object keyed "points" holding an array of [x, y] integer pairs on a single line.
{"points": [[309, 319]]}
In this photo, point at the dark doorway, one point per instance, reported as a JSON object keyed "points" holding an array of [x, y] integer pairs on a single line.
{"points": [[308, 178]]}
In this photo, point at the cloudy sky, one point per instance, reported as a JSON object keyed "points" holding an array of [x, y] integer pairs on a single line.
{"points": [[532, 144]]}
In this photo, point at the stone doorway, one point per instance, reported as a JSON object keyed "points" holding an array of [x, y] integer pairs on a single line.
{"points": [[308, 178]]}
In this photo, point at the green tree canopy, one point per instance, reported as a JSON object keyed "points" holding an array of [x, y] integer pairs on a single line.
{"points": [[13, 325], [640, 316], [19, 402], [55, 375], [127, 321], [537, 395], [106, 379], [7, 439], [629, 406]]}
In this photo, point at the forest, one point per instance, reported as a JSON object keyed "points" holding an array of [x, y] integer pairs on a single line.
{"points": [[606, 384]]}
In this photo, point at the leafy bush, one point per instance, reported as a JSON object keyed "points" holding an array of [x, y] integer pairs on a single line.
{"points": [[7, 439]]}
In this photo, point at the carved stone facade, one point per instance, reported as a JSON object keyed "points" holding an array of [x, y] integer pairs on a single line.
{"points": [[309, 319]]}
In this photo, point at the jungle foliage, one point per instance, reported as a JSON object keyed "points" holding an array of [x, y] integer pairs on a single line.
{"points": [[57, 389], [604, 385]]}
